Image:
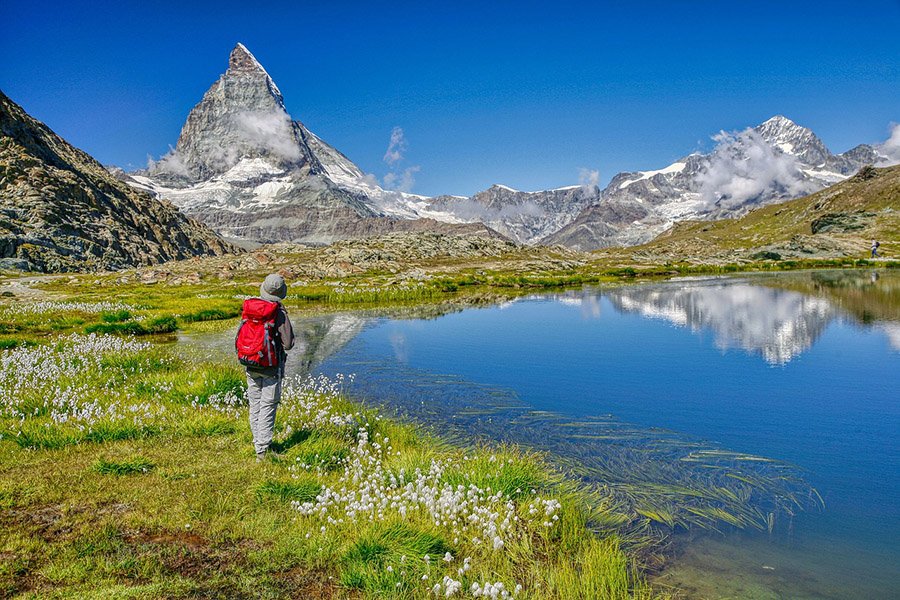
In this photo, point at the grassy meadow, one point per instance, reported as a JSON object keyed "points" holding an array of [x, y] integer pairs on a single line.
{"points": [[127, 469]]}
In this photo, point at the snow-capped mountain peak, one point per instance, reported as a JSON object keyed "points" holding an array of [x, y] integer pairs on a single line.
{"points": [[775, 161], [249, 170], [790, 138], [242, 60]]}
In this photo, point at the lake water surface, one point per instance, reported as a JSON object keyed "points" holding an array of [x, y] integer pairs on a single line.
{"points": [[802, 368]]}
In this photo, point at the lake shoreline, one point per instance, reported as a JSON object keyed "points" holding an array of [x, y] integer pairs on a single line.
{"points": [[213, 313]]}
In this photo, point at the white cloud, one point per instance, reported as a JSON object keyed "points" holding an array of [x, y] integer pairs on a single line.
{"points": [[891, 147], [401, 182], [397, 180], [171, 163], [396, 147], [589, 180], [744, 167], [269, 131], [588, 177]]}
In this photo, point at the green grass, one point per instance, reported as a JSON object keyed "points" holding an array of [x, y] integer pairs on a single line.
{"points": [[131, 466], [116, 316], [211, 314], [149, 488], [318, 450], [513, 475], [288, 491], [205, 520], [400, 546], [130, 328]]}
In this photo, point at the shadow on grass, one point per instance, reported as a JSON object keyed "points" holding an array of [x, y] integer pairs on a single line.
{"points": [[296, 437]]}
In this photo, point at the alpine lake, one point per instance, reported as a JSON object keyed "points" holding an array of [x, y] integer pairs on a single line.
{"points": [[659, 395]]}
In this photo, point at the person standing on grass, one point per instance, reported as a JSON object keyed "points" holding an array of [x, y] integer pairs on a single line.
{"points": [[263, 339], [875, 245]]}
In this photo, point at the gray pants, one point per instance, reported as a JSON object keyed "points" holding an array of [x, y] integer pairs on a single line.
{"points": [[264, 394]]}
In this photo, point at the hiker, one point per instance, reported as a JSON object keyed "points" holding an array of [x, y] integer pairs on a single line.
{"points": [[875, 245], [263, 339]]}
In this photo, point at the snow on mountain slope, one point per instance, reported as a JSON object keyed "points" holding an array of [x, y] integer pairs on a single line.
{"points": [[777, 160], [245, 167], [677, 167]]}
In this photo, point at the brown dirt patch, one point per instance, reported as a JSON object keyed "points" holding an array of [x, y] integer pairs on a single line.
{"points": [[45, 521], [313, 585]]}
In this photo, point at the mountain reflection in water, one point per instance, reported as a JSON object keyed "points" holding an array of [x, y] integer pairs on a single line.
{"points": [[671, 384], [777, 324], [666, 386], [758, 315]]}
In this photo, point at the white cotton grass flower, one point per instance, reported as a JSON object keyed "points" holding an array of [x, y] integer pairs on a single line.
{"points": [[491, 590], [47, 382], [50, 306], [364, 489]]}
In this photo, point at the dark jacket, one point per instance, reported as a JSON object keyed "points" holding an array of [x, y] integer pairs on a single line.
{"points": [[284, 341]]}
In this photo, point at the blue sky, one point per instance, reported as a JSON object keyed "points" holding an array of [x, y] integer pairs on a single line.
{"points": [[521, 93]]}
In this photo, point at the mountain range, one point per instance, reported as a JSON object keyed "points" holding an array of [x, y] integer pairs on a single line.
{"points": [[245, 167], [246, 170], [835, 222], [773, 162]]}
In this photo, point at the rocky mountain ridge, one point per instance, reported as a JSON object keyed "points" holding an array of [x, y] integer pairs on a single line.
{"points": [[835, 222], [250, 171], [245, 167], [60, 210], [776, 161], [525, 217]]}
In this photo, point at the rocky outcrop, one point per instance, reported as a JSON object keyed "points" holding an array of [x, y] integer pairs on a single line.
{"points": [[407, 256], [60, 210]]}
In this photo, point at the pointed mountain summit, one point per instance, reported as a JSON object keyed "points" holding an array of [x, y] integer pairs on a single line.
{"points": [[242, 61], [243, 166], [242, 115], [782, 133]]}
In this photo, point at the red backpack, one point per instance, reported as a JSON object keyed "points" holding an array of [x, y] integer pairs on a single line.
{"points": [[255, 341]]}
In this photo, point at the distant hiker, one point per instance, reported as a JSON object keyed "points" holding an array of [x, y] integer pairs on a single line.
{"points": [[263, 339], [875, 245]]}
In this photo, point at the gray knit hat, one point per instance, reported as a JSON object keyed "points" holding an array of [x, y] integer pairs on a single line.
{"points": [[273, 289]]}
